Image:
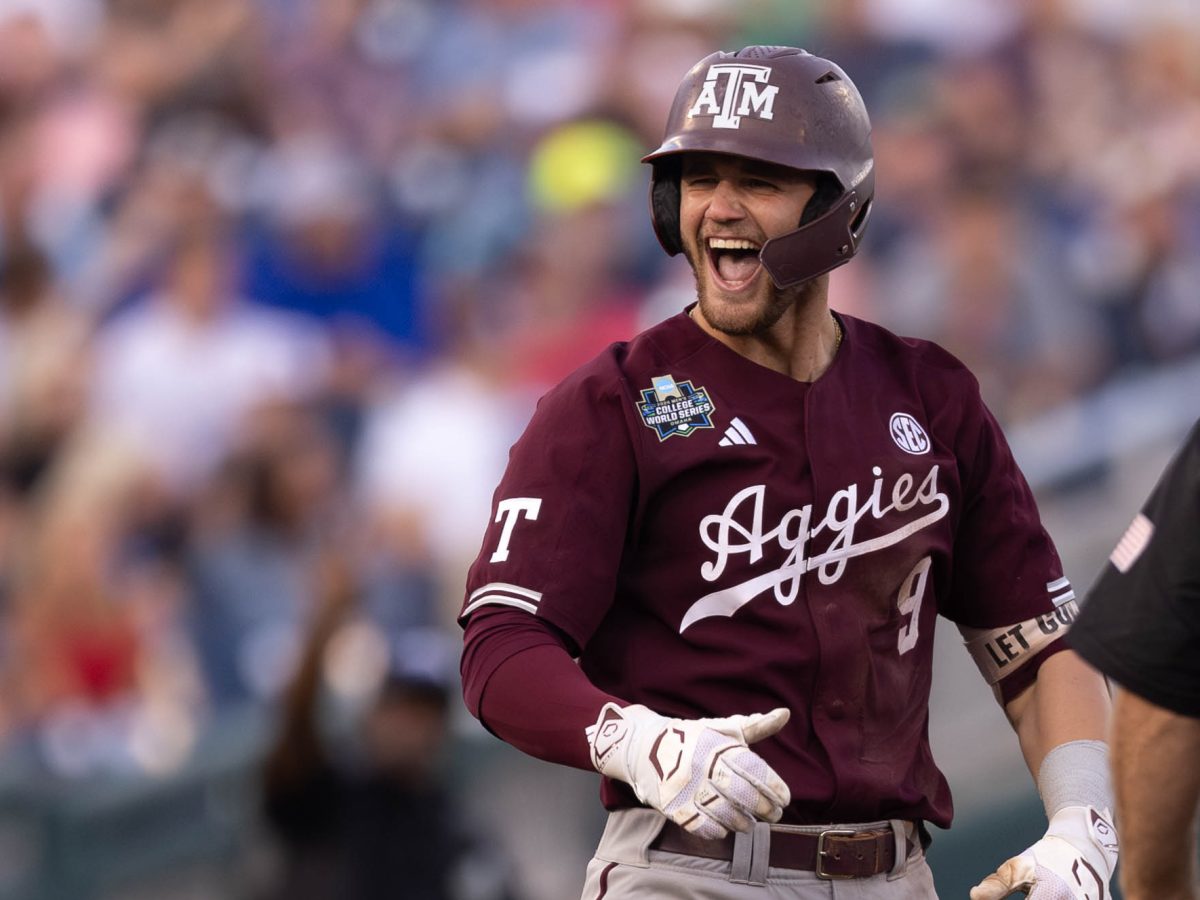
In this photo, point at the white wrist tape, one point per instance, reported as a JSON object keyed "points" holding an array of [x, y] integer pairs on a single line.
{"points": [[1076, 774]]}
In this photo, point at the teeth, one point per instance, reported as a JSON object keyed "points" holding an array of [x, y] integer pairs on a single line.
{"points": [[731, 244]]}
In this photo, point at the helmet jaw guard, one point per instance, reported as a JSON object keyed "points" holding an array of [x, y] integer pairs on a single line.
{"points": [[802, 112], [823, 244]]}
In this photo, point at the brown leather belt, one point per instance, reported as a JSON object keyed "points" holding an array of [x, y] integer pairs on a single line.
{"points": [[835, 853]]}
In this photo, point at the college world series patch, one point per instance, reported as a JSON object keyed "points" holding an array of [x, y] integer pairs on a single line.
{"points": [[673, 407]]}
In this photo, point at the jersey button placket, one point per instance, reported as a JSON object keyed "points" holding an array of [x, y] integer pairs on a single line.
{"points": [[831, 705]]}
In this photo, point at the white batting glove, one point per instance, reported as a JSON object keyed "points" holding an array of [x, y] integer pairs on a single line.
{"points": [[1073, 861], [699, 773]]}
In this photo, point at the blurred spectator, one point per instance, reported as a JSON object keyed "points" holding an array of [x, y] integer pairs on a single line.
{"points": [[429, 448], [330, 250], [884, 67], [985, 281], [1139, 269], [179, 371], [44, 353], [256, 538], [374, 819], [570, 289], [981, 112], [103, 673]]}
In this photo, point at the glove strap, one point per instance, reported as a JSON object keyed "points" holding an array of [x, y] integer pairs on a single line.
{"points": [[607, 740]]}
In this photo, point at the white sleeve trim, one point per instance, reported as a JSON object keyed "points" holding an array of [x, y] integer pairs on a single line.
{"points": [[499, 593]]}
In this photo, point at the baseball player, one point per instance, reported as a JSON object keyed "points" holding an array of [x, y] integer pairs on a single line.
{"points": [[1141, 626], [715, 560]]}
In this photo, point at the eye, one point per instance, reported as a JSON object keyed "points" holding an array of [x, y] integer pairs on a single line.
{"points": [[700, 181]]}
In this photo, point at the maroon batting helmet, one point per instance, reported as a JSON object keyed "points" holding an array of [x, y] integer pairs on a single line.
{"points": [[785, 106]]}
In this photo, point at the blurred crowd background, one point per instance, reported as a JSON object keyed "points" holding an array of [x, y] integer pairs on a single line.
{"points": [[281, 280]]}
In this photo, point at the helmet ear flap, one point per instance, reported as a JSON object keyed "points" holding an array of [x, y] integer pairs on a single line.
{"points": [[664, 205]]}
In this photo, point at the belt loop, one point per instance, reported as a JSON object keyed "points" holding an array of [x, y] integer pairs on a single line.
{"points": [[751, 855], [743, 856], [900, 836], [760, 860]]}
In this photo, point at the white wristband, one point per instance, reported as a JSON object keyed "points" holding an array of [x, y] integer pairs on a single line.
{"points": [[1076, 774]]}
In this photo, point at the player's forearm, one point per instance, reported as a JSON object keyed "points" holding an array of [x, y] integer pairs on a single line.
{"points": [[520, 680], [541, 703], [1068, 702], [1157, 786]]}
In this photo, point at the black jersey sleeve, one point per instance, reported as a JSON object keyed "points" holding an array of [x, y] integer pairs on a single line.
{"points": [[1140, 623]]}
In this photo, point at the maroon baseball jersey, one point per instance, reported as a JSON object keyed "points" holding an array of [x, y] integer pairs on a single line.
{"points": [[718, 538]]}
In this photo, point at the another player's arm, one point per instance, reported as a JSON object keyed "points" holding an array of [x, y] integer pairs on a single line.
{"points": [[1157, 781], [297, 769]]}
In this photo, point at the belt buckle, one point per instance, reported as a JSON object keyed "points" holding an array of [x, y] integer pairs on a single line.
{"points": [[822, 852]]}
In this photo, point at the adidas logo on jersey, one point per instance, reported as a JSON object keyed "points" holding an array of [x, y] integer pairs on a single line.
{"points": [[737, 433]]}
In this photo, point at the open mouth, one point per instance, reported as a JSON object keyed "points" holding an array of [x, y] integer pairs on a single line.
{"points": [[733, 261]]}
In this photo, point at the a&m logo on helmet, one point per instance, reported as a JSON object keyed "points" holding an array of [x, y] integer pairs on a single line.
{"points": [[673, 407], [747, 93]]}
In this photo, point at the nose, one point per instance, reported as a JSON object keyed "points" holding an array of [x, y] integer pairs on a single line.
{"points": [[725, 204]]}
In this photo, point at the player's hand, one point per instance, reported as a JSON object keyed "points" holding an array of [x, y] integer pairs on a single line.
{"points": [[699, 773], [1073, 861]]}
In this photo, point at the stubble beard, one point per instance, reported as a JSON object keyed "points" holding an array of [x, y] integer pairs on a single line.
{"points": [[745, 319]]}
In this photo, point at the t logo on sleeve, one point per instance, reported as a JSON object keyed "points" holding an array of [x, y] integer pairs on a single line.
{"points": [[746, 93], [510, 510]]}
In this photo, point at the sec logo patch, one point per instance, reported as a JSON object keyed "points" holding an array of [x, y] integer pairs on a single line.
{"points": [[908, 434]]}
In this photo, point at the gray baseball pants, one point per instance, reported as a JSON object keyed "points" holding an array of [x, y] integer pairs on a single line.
{"points": [[626, 868]]}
